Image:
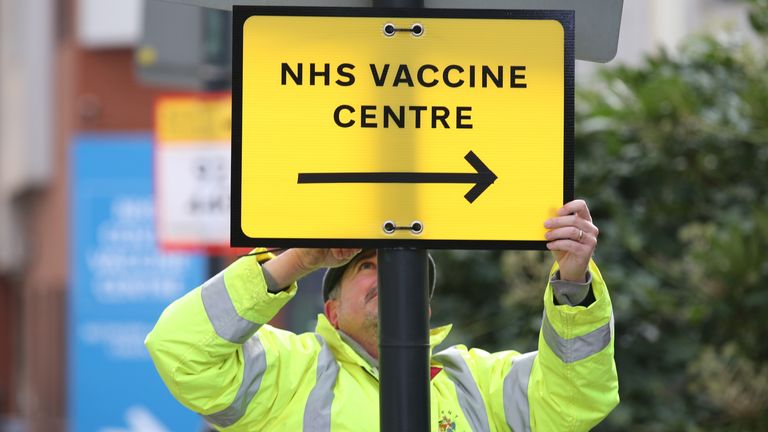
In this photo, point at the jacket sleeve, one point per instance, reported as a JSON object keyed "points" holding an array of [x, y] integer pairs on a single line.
{"points": [[569, 384], [216, 356]]}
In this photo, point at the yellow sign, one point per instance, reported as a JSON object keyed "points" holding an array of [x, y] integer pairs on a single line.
{"points": [[181, 119], [373, 129], [192, 156]]}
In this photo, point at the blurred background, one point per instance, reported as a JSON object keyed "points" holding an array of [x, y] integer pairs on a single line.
{"points": [[114, 141]]}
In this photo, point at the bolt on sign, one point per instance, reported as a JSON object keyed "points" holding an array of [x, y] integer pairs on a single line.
{"points": [[430, 128]]}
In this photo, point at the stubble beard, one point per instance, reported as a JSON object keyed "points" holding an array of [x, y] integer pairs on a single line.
{"points": [[371, 325]]}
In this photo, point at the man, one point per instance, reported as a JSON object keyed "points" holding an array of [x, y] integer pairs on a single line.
{"points": [[218, 358]]}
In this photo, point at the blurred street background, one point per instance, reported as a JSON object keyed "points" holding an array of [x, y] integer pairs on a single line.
{"points": [[114, 143]]}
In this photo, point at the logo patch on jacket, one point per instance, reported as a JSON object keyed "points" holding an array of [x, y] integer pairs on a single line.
{"points": [[446, 423], [433, 371]]}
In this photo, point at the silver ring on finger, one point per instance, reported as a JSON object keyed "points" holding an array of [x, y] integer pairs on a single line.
{"points": [[581, 234]]}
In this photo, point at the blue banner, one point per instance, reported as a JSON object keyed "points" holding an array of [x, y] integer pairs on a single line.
{"points": [[120, 283]]}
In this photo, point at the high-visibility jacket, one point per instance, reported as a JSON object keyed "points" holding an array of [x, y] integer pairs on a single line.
{"points": [[218, 359]]}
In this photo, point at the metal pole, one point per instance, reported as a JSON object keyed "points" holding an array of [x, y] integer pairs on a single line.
{"points": [[403, 326], [403, 340]]}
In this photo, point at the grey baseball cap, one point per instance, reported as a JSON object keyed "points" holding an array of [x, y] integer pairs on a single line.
{"points": [[333, 275]]}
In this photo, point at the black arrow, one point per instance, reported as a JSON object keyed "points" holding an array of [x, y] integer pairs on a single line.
{"points": [[483, 178]]}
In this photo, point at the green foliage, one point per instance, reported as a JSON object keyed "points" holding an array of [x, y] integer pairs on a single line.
{"points": [[494, 298], [758, 16], [672, 157]]}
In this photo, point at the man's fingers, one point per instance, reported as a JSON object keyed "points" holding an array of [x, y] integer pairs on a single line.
{"points": [[577, 207], [571, 246], [573, 233], [572, 221], [345, 253]]}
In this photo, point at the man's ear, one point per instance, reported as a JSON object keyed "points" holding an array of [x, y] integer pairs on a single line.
{"points": [[331, 308]]}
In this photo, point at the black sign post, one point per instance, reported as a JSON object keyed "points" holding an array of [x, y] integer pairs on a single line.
{"points": [[403, 326], [403, 340]]}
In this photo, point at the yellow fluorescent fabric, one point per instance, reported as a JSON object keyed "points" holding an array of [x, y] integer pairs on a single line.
{"points": [[589, 393], [205, 372], [288, 126]]}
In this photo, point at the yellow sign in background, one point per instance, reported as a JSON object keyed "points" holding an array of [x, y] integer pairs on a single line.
{"points": [[181, 119], [311, 103], [192, 156]]}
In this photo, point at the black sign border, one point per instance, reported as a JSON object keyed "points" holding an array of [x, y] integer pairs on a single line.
{"points": [[241, 13]]}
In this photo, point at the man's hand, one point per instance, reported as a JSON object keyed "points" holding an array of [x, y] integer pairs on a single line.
{"points": [[572, 239], [296, 263], [312, 259]]}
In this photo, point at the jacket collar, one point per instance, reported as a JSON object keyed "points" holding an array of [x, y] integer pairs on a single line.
{"points": [[346, 349]]}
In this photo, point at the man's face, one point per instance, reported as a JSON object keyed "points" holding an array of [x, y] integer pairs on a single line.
{"points": [[355, 309], [357, 304]]}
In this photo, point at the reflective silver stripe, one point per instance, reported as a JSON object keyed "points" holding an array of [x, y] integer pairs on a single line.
{"points": [[255, 363], [221, 312], [470, 399], [516, 408], [580, 347], [317, 412]]}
